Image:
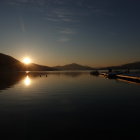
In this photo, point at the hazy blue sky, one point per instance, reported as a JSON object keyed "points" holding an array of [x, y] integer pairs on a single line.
{"points": [[57, 32]]}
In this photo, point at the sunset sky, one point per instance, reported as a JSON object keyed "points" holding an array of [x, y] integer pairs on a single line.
{"points": [[57, 32]]}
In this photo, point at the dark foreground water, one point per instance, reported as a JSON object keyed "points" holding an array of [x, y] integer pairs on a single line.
{"points": [[67, 105]]}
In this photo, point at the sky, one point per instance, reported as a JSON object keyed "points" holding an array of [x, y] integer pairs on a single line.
{"points": [[57, 32]]}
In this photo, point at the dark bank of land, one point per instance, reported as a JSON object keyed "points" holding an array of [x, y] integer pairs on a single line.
{"points": [[132, 66], [8, 63]]}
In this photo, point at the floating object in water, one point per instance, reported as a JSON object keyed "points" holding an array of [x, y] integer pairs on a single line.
{"points": [[109, 75], [94, 72]]}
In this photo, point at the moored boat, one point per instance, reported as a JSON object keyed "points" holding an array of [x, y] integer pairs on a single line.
{"points": [[94, 72]]}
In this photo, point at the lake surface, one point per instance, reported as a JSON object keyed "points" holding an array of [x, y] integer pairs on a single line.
{"points": [[67, 105]]}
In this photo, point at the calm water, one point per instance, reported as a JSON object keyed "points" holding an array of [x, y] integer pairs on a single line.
{"points": [[67, 105]]}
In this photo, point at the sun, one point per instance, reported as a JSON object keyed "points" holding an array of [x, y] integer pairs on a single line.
{"points": [[26, 60]]}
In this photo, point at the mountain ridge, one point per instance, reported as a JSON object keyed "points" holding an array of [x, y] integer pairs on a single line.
{"points": [[8, 63], [73, 66], [132, 65]]}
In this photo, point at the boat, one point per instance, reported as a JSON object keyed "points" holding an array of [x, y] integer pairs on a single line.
{"points": [[94, 73], [109, 74]]}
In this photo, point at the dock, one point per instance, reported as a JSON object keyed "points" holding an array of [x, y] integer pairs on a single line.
{"points": [[109, 74], [130, 77], [128, 81]]}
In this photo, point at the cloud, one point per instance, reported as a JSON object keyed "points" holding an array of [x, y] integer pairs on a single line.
{"points": [[64, 39], [99, 11], [52, 10], [63, 14], [67, 31], [17, 2], [51, 19], [23, 2], [60, 15], [67, 34], [22, 25], [39, 2]]}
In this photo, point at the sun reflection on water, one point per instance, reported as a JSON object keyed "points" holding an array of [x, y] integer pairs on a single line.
{"points": [[27, 81]]}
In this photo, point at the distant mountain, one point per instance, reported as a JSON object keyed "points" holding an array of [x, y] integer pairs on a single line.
{"points": [[36, 67], [134, 65], [8, 63], [73, 66]]}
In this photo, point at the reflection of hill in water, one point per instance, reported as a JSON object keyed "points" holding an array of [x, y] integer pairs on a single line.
{"points": [[69, 74], [73, 74], [7, 80]]}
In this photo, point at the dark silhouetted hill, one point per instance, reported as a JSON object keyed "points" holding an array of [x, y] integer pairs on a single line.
{"points": [[135, 65], [8, 63], [36, 67], [73, 66]]}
